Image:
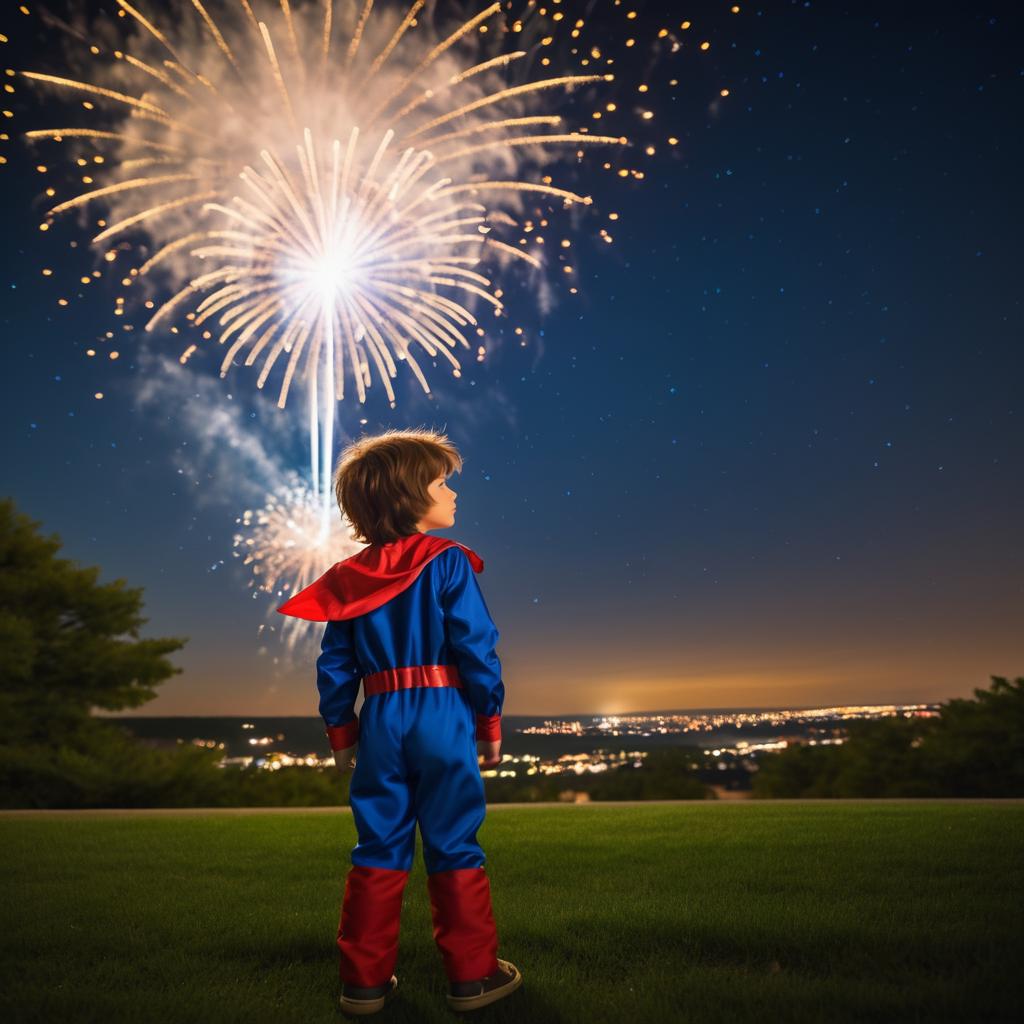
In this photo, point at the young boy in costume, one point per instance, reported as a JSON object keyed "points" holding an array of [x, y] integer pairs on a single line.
{"points": [[405, 616]]}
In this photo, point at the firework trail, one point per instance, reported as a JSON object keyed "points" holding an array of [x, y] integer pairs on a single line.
{"points": [[323, 189]]}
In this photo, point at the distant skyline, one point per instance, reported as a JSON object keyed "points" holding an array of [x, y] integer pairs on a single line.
{"points": [[582, 716], [768, 456]]}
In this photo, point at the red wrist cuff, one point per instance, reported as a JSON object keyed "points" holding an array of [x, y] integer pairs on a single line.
{"points": [[341, 737], [488, 727]]}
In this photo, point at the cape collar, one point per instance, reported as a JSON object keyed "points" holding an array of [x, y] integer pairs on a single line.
{"points": [[370, 578]]}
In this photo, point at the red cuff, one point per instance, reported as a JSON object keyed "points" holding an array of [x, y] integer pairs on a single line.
{"points": [[341, 737], [488, 728]]}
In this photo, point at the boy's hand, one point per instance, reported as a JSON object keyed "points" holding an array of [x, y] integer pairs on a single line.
{"points": [[345, 759], [488, 753]]}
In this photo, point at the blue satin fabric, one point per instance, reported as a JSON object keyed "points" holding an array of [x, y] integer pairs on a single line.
{"points": [[417, 747], [417, 762]]}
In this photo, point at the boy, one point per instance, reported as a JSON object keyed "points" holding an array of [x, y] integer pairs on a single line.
{"points": [[406, 617]]}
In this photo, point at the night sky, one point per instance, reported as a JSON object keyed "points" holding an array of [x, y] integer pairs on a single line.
{"points": [[769, 455]]}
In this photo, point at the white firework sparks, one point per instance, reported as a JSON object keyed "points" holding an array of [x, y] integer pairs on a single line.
{"points": [[287, 547]]}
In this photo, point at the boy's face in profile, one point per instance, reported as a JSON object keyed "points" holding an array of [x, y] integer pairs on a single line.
{"points": [[441, 514]]}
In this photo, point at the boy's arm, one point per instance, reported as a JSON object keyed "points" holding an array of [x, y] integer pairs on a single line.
{"points": [[337, 678], [473, 637]]}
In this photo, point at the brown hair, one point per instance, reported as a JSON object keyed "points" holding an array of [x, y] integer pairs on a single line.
{"points": [[381, 481]]}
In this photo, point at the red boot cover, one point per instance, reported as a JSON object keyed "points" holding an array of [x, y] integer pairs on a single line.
{"points": [[464, 930], [368, 929]]}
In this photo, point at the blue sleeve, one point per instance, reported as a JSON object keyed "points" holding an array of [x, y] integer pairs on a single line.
{"points": [[338, 675], [473, 637]]}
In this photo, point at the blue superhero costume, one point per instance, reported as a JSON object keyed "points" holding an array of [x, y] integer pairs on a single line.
{"points": [[408, 621]]}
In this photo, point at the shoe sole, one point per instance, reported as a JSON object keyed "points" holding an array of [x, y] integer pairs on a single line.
{"points": [[362, 1007], [461, 1003]]}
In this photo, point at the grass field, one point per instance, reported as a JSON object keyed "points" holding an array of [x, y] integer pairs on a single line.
{"points": [[709, 912]]}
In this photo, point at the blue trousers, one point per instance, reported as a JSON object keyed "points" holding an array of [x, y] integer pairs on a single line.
{"points": [[417, 763]]}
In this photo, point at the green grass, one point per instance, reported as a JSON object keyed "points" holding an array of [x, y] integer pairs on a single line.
{"points": [[832, 911]]}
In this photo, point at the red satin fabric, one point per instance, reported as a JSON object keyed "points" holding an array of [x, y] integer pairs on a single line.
{"points": [[370, 578], [488, 727], [460, 907], [415, 675], [368, 928], [341, 737], [464, 928]]}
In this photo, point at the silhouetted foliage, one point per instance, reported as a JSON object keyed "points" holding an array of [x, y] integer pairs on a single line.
{"points": [[68, 644], [971, 748], [103, 766]]}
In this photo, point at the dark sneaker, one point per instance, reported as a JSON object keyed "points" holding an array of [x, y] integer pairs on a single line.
{"points": [[471, 995], [360, 1001]]}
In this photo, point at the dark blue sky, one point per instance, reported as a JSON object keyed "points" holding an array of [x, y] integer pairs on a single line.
{"points": [[769, 455]]}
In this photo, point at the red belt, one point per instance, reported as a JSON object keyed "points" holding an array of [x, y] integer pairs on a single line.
{"points": [[392, 679]]}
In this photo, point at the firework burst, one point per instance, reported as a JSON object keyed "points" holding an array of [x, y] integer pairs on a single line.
{"points": [[287, 546], [322, 188]]}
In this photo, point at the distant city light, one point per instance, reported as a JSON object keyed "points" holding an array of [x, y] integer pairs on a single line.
{"points": [[687, 725]]}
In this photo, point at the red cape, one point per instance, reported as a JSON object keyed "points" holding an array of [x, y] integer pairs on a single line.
{"points": [[370, 578]]}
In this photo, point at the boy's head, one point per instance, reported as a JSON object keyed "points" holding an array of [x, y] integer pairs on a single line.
{"points": [[387, 483]]}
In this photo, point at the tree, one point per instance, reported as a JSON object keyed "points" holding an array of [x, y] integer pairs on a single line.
{"points": [[971, 748], [978, 747], [68, 643]]}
